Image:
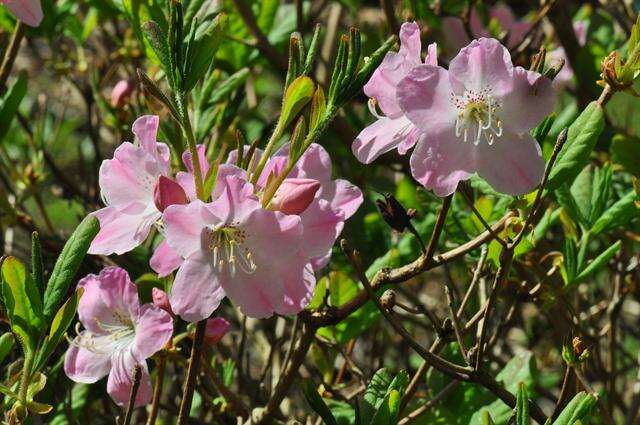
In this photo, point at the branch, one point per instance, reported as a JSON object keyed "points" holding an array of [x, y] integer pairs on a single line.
{"points": [[192, 372]]}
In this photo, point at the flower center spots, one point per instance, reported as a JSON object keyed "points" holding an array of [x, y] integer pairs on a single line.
{"points": [[115, 336], [228, 247], [477, 116]]}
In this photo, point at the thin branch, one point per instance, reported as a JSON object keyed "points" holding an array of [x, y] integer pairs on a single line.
{"points": [[137, 375], [11, 54], [157, 390], [192, 372]]}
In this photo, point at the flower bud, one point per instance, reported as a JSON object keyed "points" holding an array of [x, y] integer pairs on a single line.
{"points": [[121, 92], [394, 214], [295, 195], [161, 300], [216, 329], [168, 192]]}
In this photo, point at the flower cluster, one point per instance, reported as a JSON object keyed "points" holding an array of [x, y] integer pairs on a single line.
{"points": [[474, 117]]}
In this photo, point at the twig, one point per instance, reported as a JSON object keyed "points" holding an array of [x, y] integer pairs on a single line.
{"points": [[564, 393], [11, 54], [157, 390], [469, 201], [137, 375], [437, 229], [456, 324], [192, 372], [429, 404]]}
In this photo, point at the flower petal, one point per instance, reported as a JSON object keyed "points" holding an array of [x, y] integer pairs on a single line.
{"points": [[513, 164], [425, 97], [84, 366], [165, 260], [322, 226], [196, 291], [298, 289], [121, 379], [183, 226], [121, 230], [440, 161], [28, 11], [384, 135], [531, 99], [342, 196], [145, 129], [484, 64], [153, 330]]}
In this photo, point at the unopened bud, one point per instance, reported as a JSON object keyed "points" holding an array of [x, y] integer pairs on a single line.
{"points": [[216, 329], [578, 346], [161, 300], [394, 214], [121, 92], [168, 192], [295, 195]]}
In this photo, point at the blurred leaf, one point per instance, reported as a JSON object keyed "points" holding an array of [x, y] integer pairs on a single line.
{"points": [[578, 410], [626, 152], [581, 139], [599, 262], [61, 322], [202, 50], [68, 264], [7, 341], [378, 392], [317, 403], [10, 102], [23, 303], [618, 214]]}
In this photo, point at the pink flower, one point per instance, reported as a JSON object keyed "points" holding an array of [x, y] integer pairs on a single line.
{"points": [[127, 184], [334, 202], [216, 329], [118, 334], [121, 92], [295, 195], [228, 247], [556, 56], [167, 192], [456, 36], [393, 129], [476, 117], [28, 11]]}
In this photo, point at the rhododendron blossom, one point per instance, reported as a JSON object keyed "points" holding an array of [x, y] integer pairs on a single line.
{"points": [[127, 184], [28, 11], [118, 334], [393, 129], [476, 117], [228, 245]]}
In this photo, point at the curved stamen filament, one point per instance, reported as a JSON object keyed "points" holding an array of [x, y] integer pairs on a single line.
{"points": [[227, 247]]}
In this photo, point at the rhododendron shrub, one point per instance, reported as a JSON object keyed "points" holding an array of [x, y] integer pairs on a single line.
{"points": [[329, 212]]}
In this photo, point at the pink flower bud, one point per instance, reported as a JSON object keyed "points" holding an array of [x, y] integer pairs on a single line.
{"points": [[295, 195], [28, 11], [161, 300], [168, 192], [121, 92], [216, 329]]}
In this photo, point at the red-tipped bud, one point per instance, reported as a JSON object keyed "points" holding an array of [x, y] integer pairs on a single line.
{"points": [[168, 192], [295, 195], [121, 92], [216, 329], [161, 300]]}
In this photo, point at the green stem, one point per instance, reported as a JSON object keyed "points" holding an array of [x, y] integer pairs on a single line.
{"points": [[11, 54], [25, 378], [193, 149], [277, 133]]}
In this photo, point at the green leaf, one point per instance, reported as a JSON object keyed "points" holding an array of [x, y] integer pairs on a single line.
{"points": [[10, 102], [23, 303], [7, 341], [599, 262], [379, 390], [224, 89], [601, 191], [618, 214], [158, 42], [626, 152], [298, 94], [202, 50], [59, 326], [578, 409], [581, 139], [522, 405], [36, 262], [68, 264], [317, 403], [387, 413]]}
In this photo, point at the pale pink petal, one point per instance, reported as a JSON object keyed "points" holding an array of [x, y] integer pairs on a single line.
{"points": [[153, 330], [410, 45], [236, 202], [384, 135], [121, 379], [342, 196], [196, 290], [28, 11], [164, 260], [202, 156], [298, 289], [432, 55], [513, 164], [315, 163], [484, 65], [145, 129], [531, 98], [161, 300], [122, 230], [85, 366], [455, 37], [216, 329], [183, 226], [440, 161], [232, 158], [425, 97], [322, 225], [115, 290], [130, 176]]}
